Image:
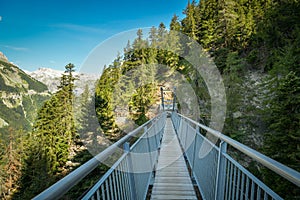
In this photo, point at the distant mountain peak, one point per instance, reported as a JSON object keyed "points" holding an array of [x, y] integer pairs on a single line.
{"points": [[51, 78]]}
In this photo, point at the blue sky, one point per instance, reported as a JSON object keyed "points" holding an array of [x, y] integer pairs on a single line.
{"points": [[44, 33]]}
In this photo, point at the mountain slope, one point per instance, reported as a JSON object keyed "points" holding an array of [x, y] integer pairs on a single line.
{"points": [[20, 96]]}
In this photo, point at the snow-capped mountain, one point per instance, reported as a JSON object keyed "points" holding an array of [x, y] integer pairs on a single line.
{"points": [[51, 78]]}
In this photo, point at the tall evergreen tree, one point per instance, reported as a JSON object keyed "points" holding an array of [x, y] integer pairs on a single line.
{"points": [[189, 23], [104, 102], [208, 25], [283, 134], [233, 82], [89, 125], [51, 139], [55, 122], [175, 24], [11, 162], [140, 49]]}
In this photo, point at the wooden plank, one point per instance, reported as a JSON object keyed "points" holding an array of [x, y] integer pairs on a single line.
{"points": [[172, 180], [172, 174], [173, 192], [174, 197], [174, 187]]}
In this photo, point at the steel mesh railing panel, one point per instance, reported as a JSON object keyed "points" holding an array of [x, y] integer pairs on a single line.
{"points": [[142, 165], [189, 146], [204, 167], [129, 177], [241, 184], [219, 176]]}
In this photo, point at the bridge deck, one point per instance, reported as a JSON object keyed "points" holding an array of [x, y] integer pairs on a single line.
{"points": [[172, 180]]}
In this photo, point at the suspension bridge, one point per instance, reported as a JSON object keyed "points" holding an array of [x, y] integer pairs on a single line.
{"points": [[175, 158]]}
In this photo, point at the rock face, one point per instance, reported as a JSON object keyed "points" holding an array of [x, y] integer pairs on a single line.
{"points": [[3, 57], [51, 78], [20, 97]]}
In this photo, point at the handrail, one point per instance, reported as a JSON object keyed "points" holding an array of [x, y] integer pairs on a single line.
{"points": [[61, 187], [284, 171], [124, 179]]}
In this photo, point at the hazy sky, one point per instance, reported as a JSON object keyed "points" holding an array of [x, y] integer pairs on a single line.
{"points": [[44, 33]]}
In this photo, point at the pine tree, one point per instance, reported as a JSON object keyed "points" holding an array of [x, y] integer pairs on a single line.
{"points": [[283, 134], [161, 33], [89, 125], [127, 52], [175, 24], [208, 25], [139, 48], [189, 23], [140, 102], [51, 138], [152, 50], [11, 163], [104, 102], [233, 80], [66, 96], [228, 22]]}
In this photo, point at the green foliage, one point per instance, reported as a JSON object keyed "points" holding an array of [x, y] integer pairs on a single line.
{"points": [[233, 80], [175, 24], [52, 127], [103, 102], [11, 160], [140, 102], [282, 139], [88, 124], [189, 23], [51, 139], [278, 28]]}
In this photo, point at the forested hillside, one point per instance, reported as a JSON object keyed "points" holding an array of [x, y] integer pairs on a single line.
{"points": [[255, 46], [21, 98]]}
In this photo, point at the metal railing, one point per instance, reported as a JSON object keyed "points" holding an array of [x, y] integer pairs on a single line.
{"points": [[120, 181], [218, 175]]}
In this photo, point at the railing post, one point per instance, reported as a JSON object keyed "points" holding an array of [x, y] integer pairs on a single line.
{"points": [[178, 120], [174, 98], [130, 171], [221, 172], [149, 145], [155, 135], [194, 147], [162, 98], [186, 135]]}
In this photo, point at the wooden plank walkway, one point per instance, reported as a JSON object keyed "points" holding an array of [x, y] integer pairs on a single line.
{"points": [[172, 180]]}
